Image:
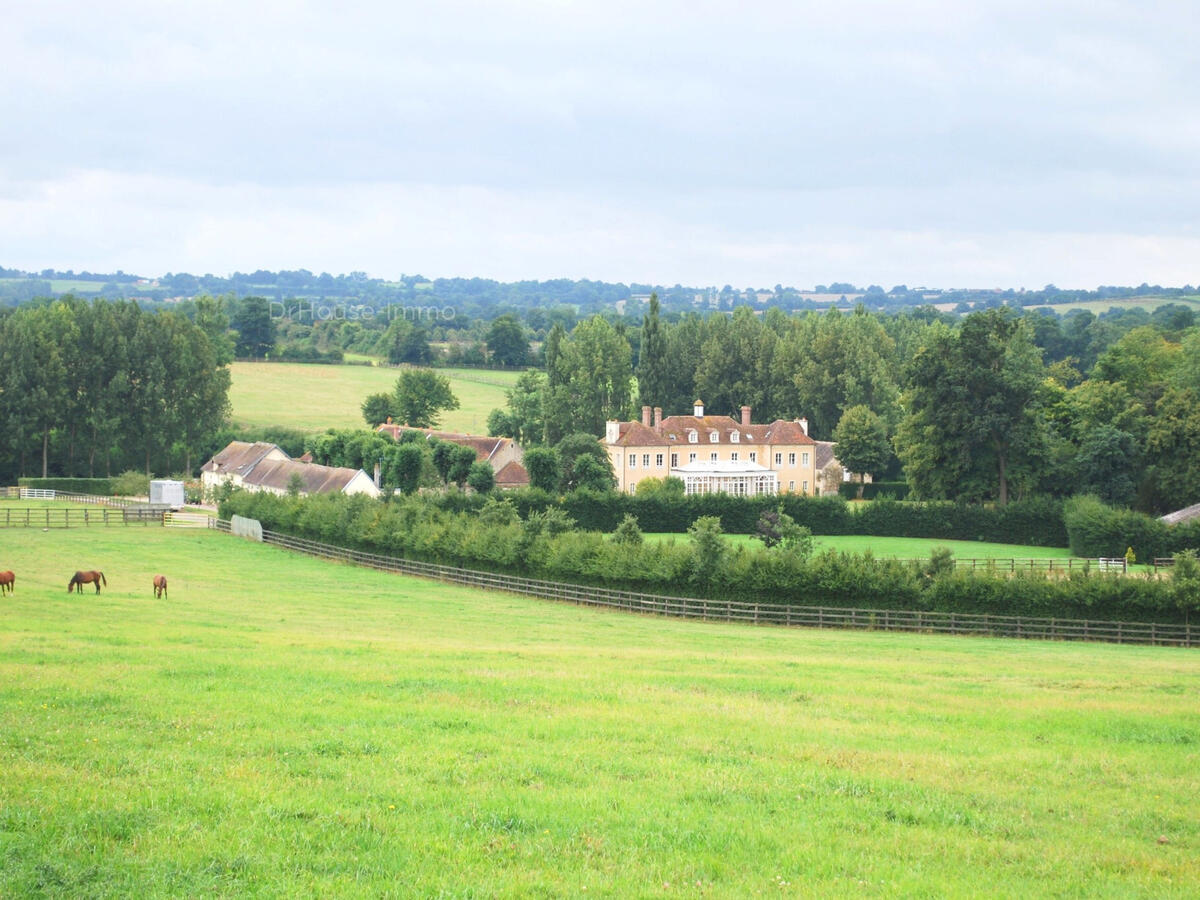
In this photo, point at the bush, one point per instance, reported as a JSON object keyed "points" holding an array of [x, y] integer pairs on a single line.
{"points": [[99, 486], [897, 490]]}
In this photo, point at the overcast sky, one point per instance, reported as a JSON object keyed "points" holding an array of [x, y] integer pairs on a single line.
{"points": [[931, 142]]}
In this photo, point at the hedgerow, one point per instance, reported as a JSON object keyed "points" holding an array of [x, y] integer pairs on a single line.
{"points": [[542, 545]]}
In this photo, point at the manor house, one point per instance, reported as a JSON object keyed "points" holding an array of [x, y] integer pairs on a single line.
{"points": [[714, 453]]}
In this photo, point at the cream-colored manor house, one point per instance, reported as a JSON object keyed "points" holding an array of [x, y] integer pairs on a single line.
{"points": [[714, 453]]}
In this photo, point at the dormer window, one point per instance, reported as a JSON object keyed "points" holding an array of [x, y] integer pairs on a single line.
{"points": [[714, 437], [735, 436], [692, 437]]}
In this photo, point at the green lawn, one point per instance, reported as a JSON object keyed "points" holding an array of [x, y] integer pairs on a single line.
{"points": [[286, 726], [904, 548], [315, 397]]}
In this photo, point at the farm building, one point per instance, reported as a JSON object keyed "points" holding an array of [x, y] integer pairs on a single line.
{"points": [[265, 467], [503, 454]]}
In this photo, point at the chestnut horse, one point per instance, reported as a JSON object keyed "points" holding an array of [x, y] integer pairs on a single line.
{"points": [[8, 581], [160, 586], [79, 579]]}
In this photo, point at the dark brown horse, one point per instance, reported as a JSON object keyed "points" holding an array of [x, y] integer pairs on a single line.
{"points": [[160, 586], [8, 582], [79, 579]]}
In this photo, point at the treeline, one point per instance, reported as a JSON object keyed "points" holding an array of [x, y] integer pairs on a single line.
{"points": [[547, 544], [101, 387], [988, 407]]}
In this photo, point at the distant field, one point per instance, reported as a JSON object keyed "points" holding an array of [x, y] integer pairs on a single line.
{"points": [[316, 397], [290, 727], [904, 548], [1101, 306]]}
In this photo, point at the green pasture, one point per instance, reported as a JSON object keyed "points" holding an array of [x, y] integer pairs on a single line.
{"points": [[902, 548], [286, 726], [314, 397], [1102, 306]]}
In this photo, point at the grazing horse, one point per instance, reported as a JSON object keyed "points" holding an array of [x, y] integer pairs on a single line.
{"points": [[8, 582], [79, 579], [160, 586]]}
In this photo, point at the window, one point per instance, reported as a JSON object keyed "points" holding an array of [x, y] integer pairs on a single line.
{"points": [[735, 436], [712, 456], [753, 457], [617, 460], [804, 486], [674, 460], [733, 457], [691, 457], [713, 437], [692, 438], [633, 460], [645, 460], [779, 459], [804, 459], [658, 458], [791, 459], [791, 485]]}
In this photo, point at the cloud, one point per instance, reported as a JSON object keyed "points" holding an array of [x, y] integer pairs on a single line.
{"points": [[512, 126]]}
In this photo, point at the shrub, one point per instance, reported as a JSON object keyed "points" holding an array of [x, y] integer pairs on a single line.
{"points": [[131, 483]]}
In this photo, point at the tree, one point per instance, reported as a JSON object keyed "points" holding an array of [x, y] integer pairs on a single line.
{"points": [[255, 328], [572, 449], [420, 395], [628, 532], [544, 468], [861, 443], [404, 467], [213, 321], [1106, 465], [413, 348], [481, 477], [461, 461], [652, 373], [377, 408], [295, 485], [973, 409], [708, 549], [589, 474], [506, 342], [1173, 449], [590, 382], [502, 423]]}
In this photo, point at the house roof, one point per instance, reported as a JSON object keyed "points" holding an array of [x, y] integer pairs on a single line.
{"points": [[675, 430], [635, 434], [314, 479], [485, 447], [512, 474], [1182, 515], [239, 457], [824, 454]]}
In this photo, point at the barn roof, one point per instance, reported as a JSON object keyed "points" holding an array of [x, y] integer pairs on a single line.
{"points": [[314, 479], [512, 474], [239, 457], [1183, 515]]}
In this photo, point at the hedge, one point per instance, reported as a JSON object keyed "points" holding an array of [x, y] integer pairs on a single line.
{"points": [[99, 486], [1095, 529], [415, 528]]}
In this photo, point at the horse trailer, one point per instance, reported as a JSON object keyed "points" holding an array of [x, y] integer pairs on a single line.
{"points": [[167, 493]]}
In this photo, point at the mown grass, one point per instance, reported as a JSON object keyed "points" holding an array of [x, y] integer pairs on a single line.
{"points": [[286, 726], [314, 397], [902, 548]]}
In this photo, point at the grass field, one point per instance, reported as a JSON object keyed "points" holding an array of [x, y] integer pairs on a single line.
{"points": [[286, 726], [316, 397], [903, 548], [1102, 306]]}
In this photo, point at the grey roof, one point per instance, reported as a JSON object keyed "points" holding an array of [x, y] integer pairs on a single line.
{"points": [[314, 479], [1182, 515], [238, 458], [824, 455]]}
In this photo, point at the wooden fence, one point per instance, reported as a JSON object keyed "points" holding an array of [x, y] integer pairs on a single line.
{"points": [[999, 566], [757, 613], [48, 517]]}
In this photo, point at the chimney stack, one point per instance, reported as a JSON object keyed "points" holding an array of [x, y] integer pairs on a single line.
{"points": [[745, 416], [658, 417], [803, 424], [698, 409], [646, 416]]}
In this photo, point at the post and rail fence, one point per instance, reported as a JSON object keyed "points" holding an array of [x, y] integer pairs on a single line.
{"points": [[979, 624], [49, 517]]}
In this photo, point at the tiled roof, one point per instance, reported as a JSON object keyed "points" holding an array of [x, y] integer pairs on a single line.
{"points": [[675, 431], [314, 479], [512, 474], [485, 447], [824, 454], [238, 458], [635, 434], [1183, 515]]}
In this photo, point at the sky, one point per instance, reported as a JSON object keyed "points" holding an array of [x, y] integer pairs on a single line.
{"points": [[993, 143]]}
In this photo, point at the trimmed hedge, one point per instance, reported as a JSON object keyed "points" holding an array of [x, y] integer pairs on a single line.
{"points": [[99, 486], [1095, 529], [415, 528]]}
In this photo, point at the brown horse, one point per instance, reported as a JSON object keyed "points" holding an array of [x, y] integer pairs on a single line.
{"points": [[8, 582], [160, 586], [79, 579]]}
